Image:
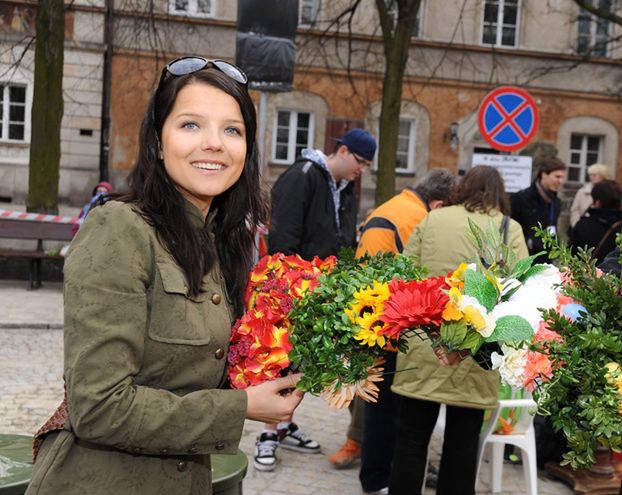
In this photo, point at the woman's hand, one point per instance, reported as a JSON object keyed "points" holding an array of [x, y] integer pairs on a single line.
{"points": [[274, 401]]}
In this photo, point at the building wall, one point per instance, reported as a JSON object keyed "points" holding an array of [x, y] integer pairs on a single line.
{"points": [[82, 82], [338, 76]]}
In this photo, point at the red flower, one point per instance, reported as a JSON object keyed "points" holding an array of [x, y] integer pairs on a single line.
{"points": [[414, 304], [260, 338]]}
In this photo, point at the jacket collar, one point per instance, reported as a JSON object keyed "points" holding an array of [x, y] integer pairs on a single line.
{"points": [[409, 191], [196, 219]]}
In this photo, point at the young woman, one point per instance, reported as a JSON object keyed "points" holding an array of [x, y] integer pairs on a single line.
{"points": [[441, 242], [153, 282]]}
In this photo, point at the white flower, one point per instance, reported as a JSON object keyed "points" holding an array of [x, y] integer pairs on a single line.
{"points": [[528, 310], [511, 365], [537, 293]]}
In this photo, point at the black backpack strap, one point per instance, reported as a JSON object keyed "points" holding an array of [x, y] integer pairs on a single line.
{"points": [[613, 230], [384, 223], [504, 229]]}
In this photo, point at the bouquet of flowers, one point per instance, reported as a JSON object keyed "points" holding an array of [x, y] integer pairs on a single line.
{"points": [[489, 309], [337, 334], [260, 338], [335, 320], [298, 317], [583, 396]]}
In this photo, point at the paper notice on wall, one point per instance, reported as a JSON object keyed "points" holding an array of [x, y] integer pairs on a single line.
{"points": [[515, 170]]}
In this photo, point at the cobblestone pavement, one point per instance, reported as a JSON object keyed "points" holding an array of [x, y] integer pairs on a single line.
{"points": [[31, 388]]}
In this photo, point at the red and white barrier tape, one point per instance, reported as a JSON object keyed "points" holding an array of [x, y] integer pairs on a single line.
{"points": [[39, 217]]}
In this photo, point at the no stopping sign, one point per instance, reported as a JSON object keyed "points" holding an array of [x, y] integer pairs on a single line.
{"points": [[508, 118]]}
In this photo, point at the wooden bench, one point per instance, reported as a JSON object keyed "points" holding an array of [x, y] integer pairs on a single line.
{"points": [[11, 228]]}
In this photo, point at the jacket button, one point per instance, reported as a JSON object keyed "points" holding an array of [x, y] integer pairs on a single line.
{"points": [[219, 353], [220, 445], [137, 450], [193, 450], [182, 466], [164, 451], [216, 298]]}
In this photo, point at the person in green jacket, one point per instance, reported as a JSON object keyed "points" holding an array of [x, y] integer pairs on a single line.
{"points": [[441, 242], [153, 282]]}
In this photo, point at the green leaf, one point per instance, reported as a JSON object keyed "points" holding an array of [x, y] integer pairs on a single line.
{"points": [[522, 266], [453, 334], [472, 342], [534, 270], [512, 328], [478, 286]]}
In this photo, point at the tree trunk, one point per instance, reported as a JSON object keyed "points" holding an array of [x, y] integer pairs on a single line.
{"points": [[47, 108], [396, 35]]}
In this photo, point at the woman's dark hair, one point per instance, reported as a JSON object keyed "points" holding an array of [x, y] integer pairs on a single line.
{"points": [[481, 189], [608, 193], [239, 209]]}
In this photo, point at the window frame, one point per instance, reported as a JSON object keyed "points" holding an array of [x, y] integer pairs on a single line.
{"points": [[583, 153], [292, 131], [316, 5], [411, 157], [499, 23], [417, 32], [592, 41], [6, 108], [192, 11], [410, 153]]}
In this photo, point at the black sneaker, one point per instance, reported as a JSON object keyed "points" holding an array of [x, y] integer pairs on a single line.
{"points": [[293, 438], [265, 452]]}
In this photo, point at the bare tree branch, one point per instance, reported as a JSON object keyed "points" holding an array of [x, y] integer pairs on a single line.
{"points": [[598, 12]]}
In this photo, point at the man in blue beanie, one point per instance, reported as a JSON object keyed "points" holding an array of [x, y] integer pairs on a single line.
{"points": [[313, 214], [313, 201]]}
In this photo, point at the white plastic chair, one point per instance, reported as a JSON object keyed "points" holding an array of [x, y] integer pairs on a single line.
{"points": [[523, 436]]}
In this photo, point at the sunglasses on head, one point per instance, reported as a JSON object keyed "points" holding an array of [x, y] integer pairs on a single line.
{"points": [[187, 65]]}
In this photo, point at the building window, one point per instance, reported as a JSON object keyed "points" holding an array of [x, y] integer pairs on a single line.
{"points": [[13, 111], [500, 25], [393, 10], [308, 13], [405, 156], [585, 150], [196, 8], [594, 33], [293, 132], [417, 33]]}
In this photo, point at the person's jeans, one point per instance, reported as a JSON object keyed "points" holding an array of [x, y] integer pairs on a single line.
{"points": [[458, 468], [379, 433]]}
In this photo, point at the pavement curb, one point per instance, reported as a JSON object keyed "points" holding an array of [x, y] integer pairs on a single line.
{"points": [[11, 325]]}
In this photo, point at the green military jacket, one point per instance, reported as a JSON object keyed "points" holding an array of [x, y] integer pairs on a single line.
{"points": [[144, 366], [441, 242]]}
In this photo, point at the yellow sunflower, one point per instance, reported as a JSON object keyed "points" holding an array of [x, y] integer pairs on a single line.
{"points": [[369, 300], [369, 334]]}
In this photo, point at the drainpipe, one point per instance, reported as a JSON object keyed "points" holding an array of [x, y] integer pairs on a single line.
{"points": [[104, 142]]}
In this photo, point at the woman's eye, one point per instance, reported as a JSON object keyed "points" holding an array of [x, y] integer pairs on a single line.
{"points": [[233, 131], [189, 125]]}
